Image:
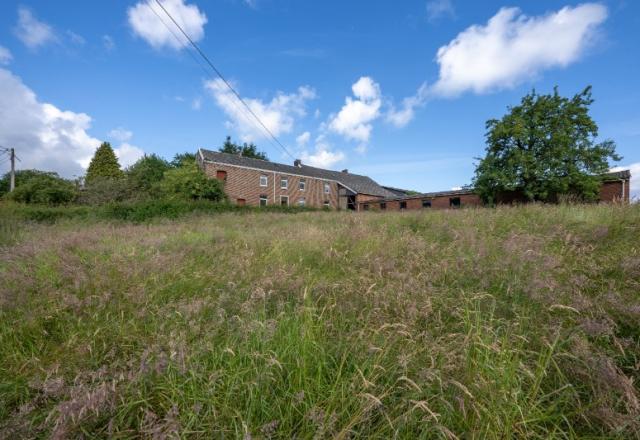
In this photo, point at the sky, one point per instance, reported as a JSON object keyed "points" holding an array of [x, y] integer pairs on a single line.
{"points": [[399, 91]]}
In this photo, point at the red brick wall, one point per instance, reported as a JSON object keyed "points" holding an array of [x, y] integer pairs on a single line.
{"points": [[612, 191], [441, 202], [244, 183]]}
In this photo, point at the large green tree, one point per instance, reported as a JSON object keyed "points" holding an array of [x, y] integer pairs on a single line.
{"points": [[147, 171], [104, 165], [544, 148], [246, 150]]}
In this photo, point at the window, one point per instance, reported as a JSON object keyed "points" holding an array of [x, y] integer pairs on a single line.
{"points": [[263, 200], [284, 200], [241, 202], [302, 184], [454, 202], [327, 204], [284, 183], [301, 201], [327, 188], [403, 205], [221, 175], [383, 206], [426, 203], [365, 207], [264, 180]]}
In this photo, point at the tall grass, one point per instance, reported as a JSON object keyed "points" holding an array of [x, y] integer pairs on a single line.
{"points": [[506, 323]]}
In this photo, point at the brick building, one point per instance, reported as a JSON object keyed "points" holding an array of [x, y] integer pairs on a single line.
{"points": [[614, 188], [258, 182], [255, 182]]}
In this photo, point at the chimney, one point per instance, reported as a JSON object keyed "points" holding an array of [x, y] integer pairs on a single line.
{"points": [[297, 163], [346, 171]]}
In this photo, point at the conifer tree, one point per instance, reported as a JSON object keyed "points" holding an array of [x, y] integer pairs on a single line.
{"points": [[104, 165]]}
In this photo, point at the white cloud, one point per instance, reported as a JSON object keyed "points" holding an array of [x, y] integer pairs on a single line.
{"points": [[303, 139], [5, 56], [634, 185], [401, 117], [512, 48], [32, 32], [323, 156], [353, 121], [196, 103], [278, 115], [128, 154], [120, 134], [108, 43], [44, 136], [151, 27], [439, 8]]}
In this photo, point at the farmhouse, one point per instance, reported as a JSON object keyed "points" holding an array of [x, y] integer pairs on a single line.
{"points": [[255, 182], [249, 181]]}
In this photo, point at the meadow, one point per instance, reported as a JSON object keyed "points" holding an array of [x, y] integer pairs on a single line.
{"points": [[515, 322]]}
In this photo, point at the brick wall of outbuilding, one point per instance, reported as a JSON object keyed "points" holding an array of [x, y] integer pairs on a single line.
{"points": [[244, 183], [613, 191], [438, 202]]}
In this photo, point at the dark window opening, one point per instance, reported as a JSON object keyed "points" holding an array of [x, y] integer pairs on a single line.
{"points": [[426, 203], [403, 205], [365, 207], [383, 206], [221, 175], [263, 200], [454, 202], [284, 200]]}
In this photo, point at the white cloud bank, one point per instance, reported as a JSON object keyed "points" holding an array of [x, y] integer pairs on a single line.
{"points": [[512, 48], [5, 56], [31, 31], [354, 120], [278, 115], [151, 27], [46, 137]]}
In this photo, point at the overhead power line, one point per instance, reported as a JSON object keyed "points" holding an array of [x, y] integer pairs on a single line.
{"points": [[224, 80]]}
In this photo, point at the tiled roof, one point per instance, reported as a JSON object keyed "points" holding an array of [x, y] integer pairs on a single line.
{"points": [[453, 192], [359, 184], [617, 175]]}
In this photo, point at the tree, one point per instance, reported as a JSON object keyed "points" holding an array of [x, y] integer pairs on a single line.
{"points": [[147, 172], [189, 182], [104, 164], [544, 148], [244, 150], [182, 159], [43, 188]]}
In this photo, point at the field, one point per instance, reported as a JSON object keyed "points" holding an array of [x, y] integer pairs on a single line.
{"points": [[471, 324]]}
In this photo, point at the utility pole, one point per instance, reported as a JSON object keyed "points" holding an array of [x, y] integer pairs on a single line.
{"points": [[12, 185]]}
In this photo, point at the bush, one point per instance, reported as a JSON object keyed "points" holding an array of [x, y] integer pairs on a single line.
{"points": [[104, 190], [188, 182], [43, 188]]}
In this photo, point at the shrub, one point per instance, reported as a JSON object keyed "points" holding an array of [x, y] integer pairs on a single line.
{"points": [[104, 190], [43, 188], [104, 164], [188, 182]]}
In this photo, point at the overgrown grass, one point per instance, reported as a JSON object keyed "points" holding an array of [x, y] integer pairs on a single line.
{"points": [[506, 323]]}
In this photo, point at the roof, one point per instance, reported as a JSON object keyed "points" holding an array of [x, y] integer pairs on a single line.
{"points": [[398, 191], [357, 183], [617, 175], [453, 192]]}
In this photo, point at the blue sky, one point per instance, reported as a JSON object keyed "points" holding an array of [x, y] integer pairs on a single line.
{"points": [[399, 91]]}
